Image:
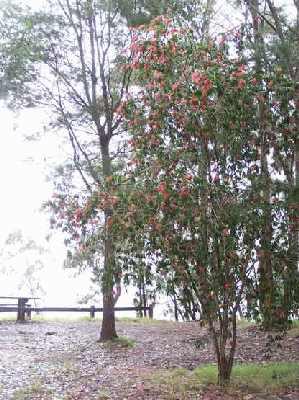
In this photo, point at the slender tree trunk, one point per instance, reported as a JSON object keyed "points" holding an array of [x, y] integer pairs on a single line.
{"points": [[144, 300], [266, 283], [175, 305], [290, 281], [295, 230], [225, 356], [139, 313], [108, 330]]}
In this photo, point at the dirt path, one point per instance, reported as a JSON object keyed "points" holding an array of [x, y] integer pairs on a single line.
{"points": [[64, 361]]}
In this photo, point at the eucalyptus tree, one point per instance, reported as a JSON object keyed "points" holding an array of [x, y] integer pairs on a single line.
{"points": [[272, 44], [73, 52]]}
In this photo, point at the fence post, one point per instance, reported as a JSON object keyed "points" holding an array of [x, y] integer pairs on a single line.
{"points": [[151, 311], [21, 308], [92, 312]]}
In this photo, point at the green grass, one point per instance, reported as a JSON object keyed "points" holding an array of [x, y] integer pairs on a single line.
{"points": [[251, 377], [49, 318], [294, 330], [181, 379], [141, 320], [257, 377], [98, 318], [295, 323], [8, 318], [64, 318], [120, 341]]}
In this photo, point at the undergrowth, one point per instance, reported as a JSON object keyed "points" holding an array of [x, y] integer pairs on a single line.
{"points": [[249, 377]]}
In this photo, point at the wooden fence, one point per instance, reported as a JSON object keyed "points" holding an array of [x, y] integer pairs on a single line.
{"points": [[91, 310]]}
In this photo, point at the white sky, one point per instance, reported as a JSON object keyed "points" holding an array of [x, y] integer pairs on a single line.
{"points": [[23, 168]]}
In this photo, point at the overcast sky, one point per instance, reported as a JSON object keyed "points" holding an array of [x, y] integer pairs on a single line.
{"points": [[24, 166]]}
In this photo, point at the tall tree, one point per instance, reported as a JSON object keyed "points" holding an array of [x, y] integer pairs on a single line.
{"points": [[276, 66], [75, 53], [191, 124]]}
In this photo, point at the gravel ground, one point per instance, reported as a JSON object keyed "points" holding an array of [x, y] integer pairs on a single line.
{"points": [[64, 360]]}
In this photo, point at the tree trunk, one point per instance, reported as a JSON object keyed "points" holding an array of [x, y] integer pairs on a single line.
{"points": [[225, 357], [144, 299], [266, 283], [108, 330], [175, 304], [224, 372]]}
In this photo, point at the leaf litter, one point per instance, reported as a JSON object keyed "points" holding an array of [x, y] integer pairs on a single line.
{"points": [[65, 361]]}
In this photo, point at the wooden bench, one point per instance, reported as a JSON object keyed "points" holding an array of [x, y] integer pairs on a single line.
{"points": [[22, 308]]}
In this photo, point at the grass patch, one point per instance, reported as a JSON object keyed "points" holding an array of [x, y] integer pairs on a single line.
{"points": [[178, 383], [295, 323], [120, 341], [294, 330], [251, 377], [141, 320], [42, 318], [48, 318], [4, 318], [257, 377], [36, 389]]}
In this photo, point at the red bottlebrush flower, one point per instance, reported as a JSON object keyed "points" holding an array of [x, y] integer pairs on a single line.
{"points": [[196, 77], [184, 192], [166, 196], [173, 48], [78, 214], [240, 72], [194, 100], [175, 86], [207, 85], [241, 84], [162, 187], [109, 221]]}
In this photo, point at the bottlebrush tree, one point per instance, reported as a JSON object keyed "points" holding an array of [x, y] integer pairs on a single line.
{"points": [[187, 193]]}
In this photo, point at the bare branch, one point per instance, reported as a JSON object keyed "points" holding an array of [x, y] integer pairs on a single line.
{"points": [[76, 144]]}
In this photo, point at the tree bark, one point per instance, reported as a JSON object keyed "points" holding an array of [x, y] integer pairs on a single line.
{"points": [[266, 284], [108, 330], [225, 357]]}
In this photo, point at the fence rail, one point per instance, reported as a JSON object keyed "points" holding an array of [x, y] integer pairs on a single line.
{"points": [[91, 310]]}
